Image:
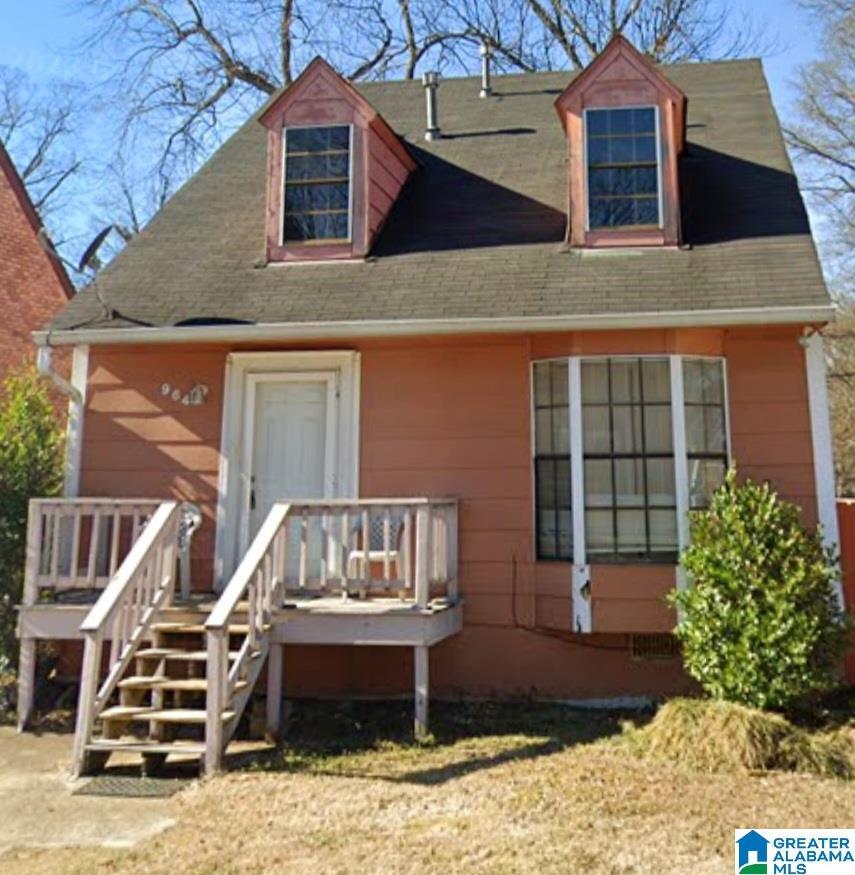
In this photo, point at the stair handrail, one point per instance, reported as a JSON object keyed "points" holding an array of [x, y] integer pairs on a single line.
{"points": [[143, 584], [258, 582]]}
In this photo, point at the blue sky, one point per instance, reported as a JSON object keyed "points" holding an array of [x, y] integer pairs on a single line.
{"points": [[35, 31], [42, 38]]}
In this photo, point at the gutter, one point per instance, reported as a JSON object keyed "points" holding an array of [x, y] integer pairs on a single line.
{"points": [[44, 365], [291, 331]]}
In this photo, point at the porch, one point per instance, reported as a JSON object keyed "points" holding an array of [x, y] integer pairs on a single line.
{"points": [[167, 669]]}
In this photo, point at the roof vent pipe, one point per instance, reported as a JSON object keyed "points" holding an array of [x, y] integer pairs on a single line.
{"points": [[486, 56], [430, 80]]}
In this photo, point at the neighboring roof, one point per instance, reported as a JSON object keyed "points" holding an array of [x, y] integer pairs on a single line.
{"points": [[19, 190], [477, 233]]}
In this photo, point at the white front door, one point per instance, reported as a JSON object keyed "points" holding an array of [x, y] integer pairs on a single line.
{"points": [[290, 447]]}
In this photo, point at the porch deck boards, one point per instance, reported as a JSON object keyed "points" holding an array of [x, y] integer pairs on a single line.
{"points": [[304, 618]]}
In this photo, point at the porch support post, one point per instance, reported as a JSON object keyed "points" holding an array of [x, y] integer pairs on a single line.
{"points": [[27, 653], [421, 667], [681, 462], [823, 453], [218, 666], [581, 575], [26, 681], [274, 692]]}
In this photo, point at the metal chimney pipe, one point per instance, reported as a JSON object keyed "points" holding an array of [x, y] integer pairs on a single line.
{"points": [[486, 55], [430, 80]]}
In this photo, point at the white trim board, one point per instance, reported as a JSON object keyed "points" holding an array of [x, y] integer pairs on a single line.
{"points": [[74, 429], [581, 574], [823, 452], [242, 371], [281, 331]]}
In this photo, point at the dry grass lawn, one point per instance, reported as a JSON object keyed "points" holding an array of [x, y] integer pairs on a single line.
{"points": [[503, 789]]}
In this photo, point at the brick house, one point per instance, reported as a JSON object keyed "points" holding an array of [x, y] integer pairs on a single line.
{"points": [[34, 286], [442, 399]]}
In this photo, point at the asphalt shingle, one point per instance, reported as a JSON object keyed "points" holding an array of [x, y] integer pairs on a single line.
{"points": [[479, 230]]}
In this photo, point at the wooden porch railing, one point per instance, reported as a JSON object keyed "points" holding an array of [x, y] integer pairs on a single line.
{"points": [[79, 543], [403, 547], [143, 584]]}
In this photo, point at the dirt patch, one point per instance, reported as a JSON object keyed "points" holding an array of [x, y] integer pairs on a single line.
{"points": [[37, 809]]}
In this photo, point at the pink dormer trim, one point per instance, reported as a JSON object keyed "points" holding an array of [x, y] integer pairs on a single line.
{"points": [[380, 162], [621, 76]]}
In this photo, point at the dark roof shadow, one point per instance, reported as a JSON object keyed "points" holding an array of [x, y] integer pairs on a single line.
{"points": [[500, 93], [725, 198], [445, 207], [505, 132]]}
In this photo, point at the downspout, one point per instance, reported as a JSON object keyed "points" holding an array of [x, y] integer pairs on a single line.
{"points": [[75, 391], [44, 365]]}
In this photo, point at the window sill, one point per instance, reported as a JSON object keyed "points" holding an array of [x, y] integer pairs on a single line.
{"points": [[629, 559], [630, 236], [658, 559]]}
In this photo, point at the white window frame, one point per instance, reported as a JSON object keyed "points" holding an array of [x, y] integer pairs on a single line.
{"points": [[660, 203], [283, 240], [581, 570]]}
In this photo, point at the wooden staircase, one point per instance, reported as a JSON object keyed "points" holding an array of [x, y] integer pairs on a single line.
{"points": [[161, 702]]}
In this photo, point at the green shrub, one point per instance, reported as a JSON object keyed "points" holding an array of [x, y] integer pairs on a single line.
{"points": [[760, 623], [31, 440]]}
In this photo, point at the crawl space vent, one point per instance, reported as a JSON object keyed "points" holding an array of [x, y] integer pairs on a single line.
{"points": [[654, 647]]}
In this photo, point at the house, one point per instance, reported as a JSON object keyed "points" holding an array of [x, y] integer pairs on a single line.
{"points": [[442, 402], [752, 852], [33, 283]]}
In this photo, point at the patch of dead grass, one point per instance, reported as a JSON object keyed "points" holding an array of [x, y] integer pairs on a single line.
{"points": [[713, 736], [528, 789]]}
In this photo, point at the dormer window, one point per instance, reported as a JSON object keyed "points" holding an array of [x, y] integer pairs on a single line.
{"points": [[317, 198], [623, 168], [334, 170], [625, 125]]}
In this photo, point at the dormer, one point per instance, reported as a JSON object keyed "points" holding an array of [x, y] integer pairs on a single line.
{"points": [[334, 169], [626, 126]]}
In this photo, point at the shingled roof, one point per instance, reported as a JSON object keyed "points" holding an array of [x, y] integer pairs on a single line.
{"points": [[478, 232]]}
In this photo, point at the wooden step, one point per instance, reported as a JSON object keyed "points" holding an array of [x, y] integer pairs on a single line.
{"points": [[136, 745], [125, 713], [157, 682], [176, 654], [193, 629]]}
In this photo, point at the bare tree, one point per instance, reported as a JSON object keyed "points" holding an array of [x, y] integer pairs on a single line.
{"points": [[37, 127], [573, 32], [823, 139]]}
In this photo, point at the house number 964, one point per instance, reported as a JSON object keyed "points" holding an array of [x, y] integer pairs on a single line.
{"points": [[194, 397]]}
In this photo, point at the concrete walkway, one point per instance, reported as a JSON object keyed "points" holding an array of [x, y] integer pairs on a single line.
{"points": [[37, 809]]}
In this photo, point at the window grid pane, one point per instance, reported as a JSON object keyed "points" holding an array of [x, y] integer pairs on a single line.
{"points": [[552, 461], [317, 184], [623, 169], [630, 502], [706, 428]]}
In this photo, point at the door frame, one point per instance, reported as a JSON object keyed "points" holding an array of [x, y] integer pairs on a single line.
{"points": [[244, 370]]}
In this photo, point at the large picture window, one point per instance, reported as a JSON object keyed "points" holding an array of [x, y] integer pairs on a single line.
{"points": [[623, 168], [629, 458], [706, 428], [625, 436], [552, 460], [317, 184]]}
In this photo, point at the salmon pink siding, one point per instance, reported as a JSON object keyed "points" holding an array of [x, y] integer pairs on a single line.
{"points": [[452, 416]]}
